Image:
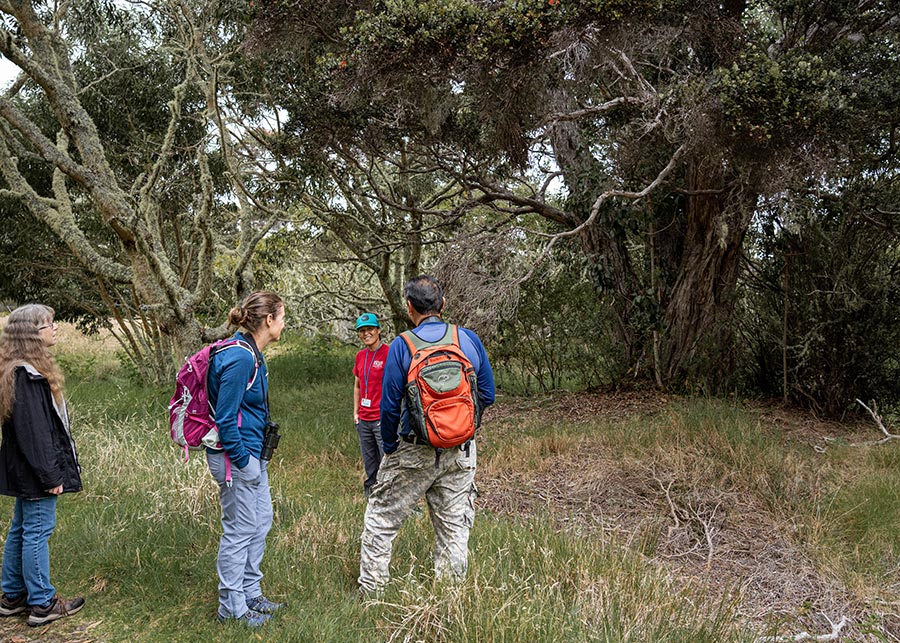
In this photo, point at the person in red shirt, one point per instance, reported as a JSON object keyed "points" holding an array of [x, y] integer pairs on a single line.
{"points": [[368, 370]]}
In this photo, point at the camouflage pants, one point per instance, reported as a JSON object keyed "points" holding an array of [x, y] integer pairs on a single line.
{"points": [[447, 480]]}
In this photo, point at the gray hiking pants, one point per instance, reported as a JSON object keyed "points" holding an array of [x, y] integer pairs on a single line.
{"points": [[447, 480], [246, 519]]}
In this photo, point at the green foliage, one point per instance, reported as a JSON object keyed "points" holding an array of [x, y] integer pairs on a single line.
{"points": [[37, 266], [455, 71], [779, 101], [762, 95], [843, 301], [466, 34], [561, 335], [783, 89]]}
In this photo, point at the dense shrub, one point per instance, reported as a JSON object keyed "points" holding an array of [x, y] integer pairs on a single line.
{"points": [[560, 336], [838, 276]]}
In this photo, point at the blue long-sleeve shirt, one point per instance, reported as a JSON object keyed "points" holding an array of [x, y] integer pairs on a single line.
{"points": [[230, 372], [394, 415]]}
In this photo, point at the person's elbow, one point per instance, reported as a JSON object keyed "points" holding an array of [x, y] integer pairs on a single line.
{"points": [[487, 391]]}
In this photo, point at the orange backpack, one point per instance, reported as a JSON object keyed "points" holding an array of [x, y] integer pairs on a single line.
{"points": [[441, 390]]}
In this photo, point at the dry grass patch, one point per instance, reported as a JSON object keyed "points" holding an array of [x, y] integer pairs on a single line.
{"points": [[574, 408], [710, 503]]}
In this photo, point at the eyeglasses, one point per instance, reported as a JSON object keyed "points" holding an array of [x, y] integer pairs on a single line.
{"points": [[50, 325]]}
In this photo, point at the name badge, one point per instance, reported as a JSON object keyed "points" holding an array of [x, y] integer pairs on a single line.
{"points": [[365, 402]]}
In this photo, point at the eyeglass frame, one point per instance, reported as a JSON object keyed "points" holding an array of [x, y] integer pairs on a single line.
{"points": [[50, 325]]}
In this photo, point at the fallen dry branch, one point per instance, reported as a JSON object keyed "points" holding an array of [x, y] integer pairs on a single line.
{"points": [[806, 636], [667, 489], [874, 413], [708, 531]]}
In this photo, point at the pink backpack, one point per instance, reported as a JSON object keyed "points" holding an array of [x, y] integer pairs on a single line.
{"points": [[192, 423]]}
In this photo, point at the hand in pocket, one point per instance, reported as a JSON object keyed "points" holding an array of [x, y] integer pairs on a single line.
{"points": [[251, 471]]}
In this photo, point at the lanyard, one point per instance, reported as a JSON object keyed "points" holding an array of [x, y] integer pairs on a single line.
{"points": [[367, 369]]}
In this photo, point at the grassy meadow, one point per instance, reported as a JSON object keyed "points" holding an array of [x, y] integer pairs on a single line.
{"points": [[602, 518]]}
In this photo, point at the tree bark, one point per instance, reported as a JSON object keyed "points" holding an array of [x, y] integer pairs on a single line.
{"points": [[603, 245], [702, 296], [159, 299]]}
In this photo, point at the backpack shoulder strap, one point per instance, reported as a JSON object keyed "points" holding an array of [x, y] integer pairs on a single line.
{"points": [[457, 344], [408, 340], [232, 343], [416, 343]]}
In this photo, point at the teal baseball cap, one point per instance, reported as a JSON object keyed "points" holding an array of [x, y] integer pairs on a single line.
{"points": [[367, 319]]}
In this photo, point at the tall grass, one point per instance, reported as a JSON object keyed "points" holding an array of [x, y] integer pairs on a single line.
{"points": [[140, 542]]}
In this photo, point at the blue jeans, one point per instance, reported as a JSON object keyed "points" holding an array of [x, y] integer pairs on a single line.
{"points": [[26, 555], [246, 519]]}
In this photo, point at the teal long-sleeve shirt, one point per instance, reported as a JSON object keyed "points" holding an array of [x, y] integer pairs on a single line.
{"points": [[232, 369]]}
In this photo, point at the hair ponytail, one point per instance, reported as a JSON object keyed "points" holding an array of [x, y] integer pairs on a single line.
{"points": [[237, 316], [252, 312]]}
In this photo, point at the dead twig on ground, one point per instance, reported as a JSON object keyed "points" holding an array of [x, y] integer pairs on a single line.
{"points": [[666, 489], [697, 512], [708, 530], [874, 413], [806, 636]]}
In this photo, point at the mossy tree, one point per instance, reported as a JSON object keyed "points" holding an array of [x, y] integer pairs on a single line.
{"points": [[666, 123], [120, 137]]}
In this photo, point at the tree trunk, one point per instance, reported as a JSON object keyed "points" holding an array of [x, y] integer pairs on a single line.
{"points": [[701, 301], [612, 271], [603, 244]]}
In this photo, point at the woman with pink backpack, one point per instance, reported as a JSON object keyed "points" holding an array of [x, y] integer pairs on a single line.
{"points": [[238, 391]]}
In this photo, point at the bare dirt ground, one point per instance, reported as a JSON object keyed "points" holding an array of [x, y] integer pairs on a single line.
{"points": [[718, 538]]}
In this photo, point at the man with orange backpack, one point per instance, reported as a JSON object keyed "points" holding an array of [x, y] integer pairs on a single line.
{"points": [[437, 382]]}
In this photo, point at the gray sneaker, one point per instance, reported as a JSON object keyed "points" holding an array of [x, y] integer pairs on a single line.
{"points": [[263, 605], [58, 608], [251, 618]]}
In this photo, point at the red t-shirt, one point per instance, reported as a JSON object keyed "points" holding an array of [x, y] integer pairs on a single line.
{"points": [[369, 368]]}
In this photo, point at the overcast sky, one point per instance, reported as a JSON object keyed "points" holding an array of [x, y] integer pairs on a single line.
{"points": [[8, 71]]}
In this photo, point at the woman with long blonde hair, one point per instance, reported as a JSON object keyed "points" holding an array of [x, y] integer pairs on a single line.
{"points": [[38, 462]]}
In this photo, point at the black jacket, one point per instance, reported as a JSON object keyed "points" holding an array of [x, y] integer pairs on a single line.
{"points": [[37, 451]]}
